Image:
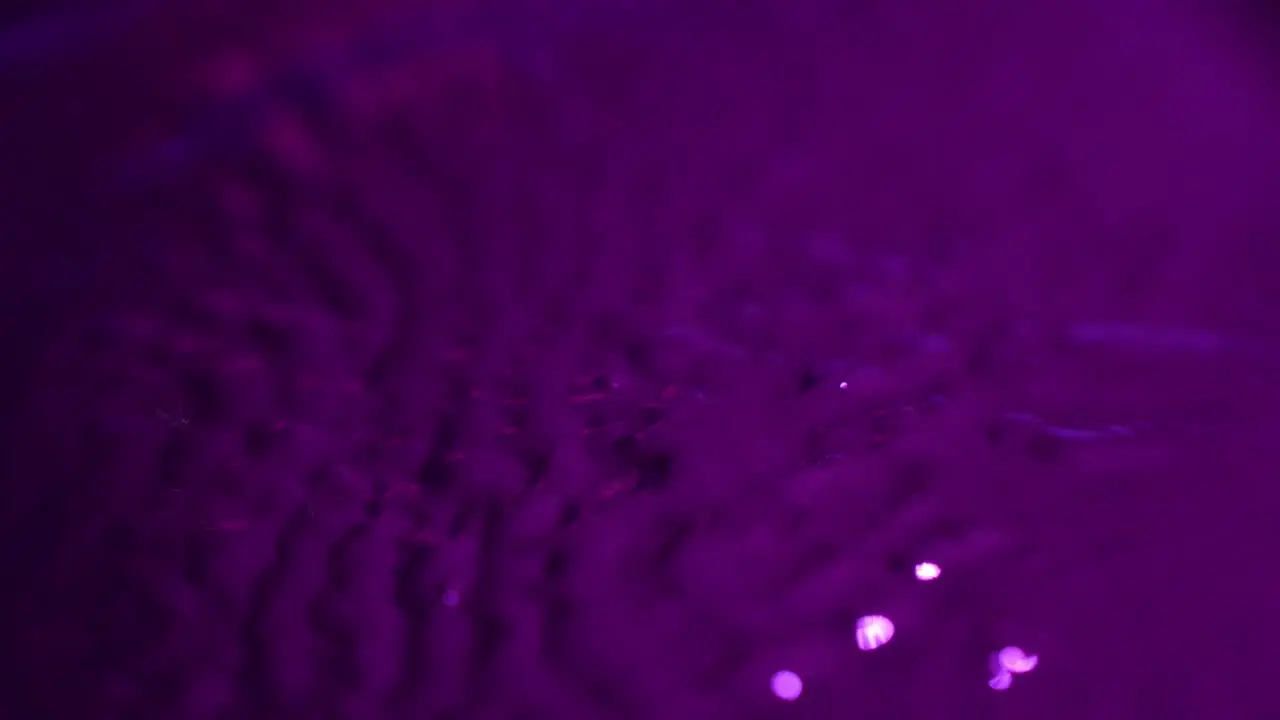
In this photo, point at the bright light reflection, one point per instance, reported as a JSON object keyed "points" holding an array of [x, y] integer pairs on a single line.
{"points": [[1015, 660], [927, 571], [786, 685], [1001, 682], [872, 631]]}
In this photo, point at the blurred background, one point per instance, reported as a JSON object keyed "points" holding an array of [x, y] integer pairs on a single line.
{"points": [[481, 359]]}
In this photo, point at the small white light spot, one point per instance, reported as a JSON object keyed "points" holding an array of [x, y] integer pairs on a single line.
{"points": [[844, 386], [927, 571], [451, 597], [1014, 660], [1001, 682], [872, 631], [786, 685]]}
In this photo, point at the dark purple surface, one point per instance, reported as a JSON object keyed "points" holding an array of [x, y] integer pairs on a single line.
{"points": [[498, 374]]}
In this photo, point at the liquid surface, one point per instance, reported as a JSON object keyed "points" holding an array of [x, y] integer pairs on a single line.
{"points": [[368, 368]]}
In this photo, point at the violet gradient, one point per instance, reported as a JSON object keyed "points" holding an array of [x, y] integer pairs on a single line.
{"points": [[483, 361]]}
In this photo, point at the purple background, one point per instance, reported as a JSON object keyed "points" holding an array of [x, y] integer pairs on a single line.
{"points": [[314, 318]]}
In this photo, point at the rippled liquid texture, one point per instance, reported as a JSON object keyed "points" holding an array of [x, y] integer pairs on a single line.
{"points": [[454, 362]]}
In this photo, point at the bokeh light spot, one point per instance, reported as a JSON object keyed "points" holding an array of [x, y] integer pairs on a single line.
{"points": [[927, 571], [872, 631], [786, 685], [1001, 682], [1016, 661]]}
